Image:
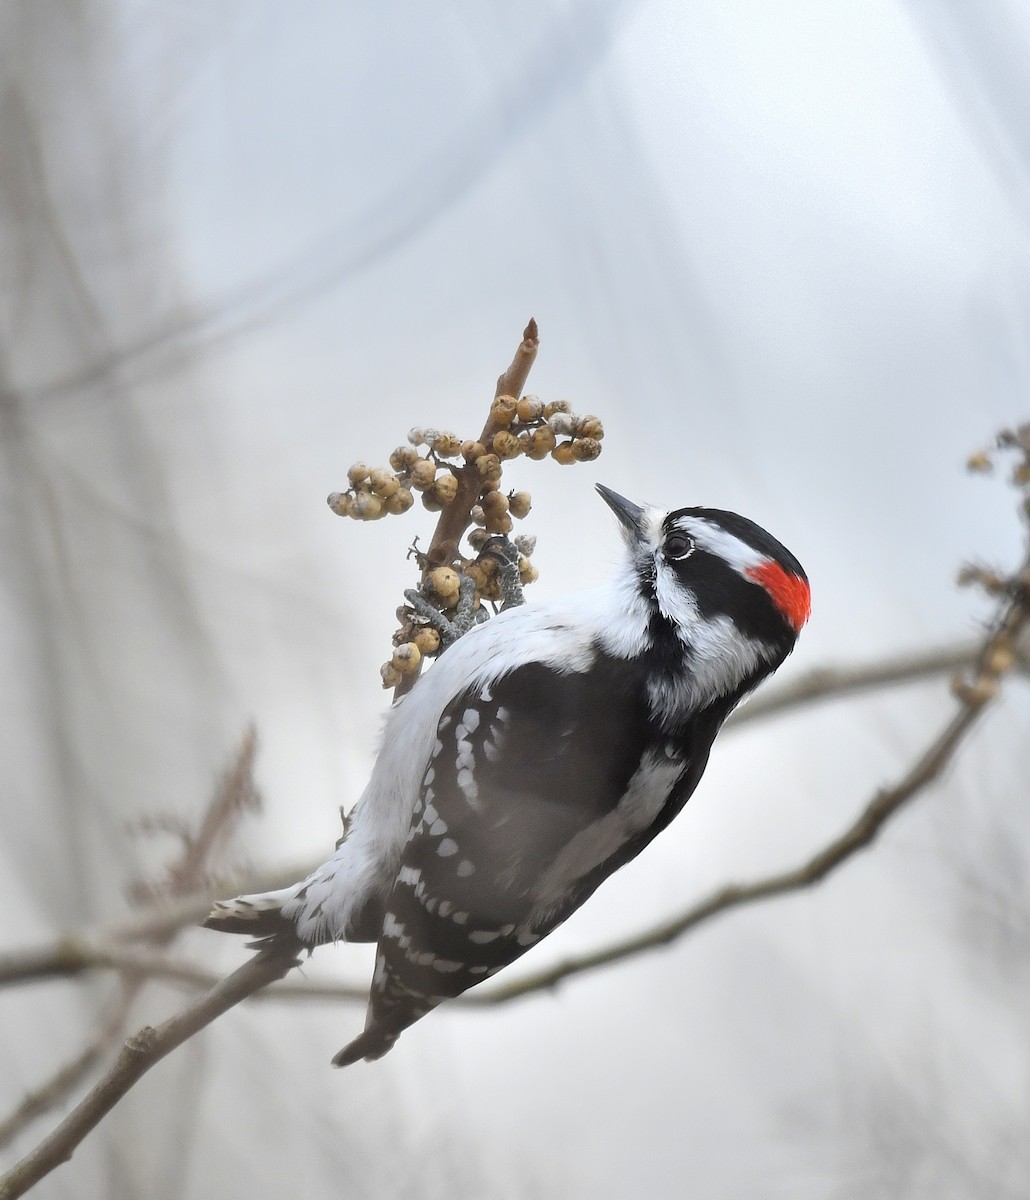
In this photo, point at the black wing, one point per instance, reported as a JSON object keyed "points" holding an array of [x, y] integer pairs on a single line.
{"points": [[535, 793]]}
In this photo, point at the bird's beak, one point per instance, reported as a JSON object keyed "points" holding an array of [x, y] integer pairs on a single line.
{"points": [[631, 515]]}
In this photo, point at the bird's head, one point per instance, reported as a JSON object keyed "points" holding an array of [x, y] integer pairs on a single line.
{"points": [[724, 600]]}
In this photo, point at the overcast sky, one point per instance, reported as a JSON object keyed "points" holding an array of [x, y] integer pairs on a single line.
{"points": [[782, 251]]}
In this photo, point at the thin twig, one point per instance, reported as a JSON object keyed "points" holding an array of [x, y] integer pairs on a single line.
{"points": [[97, 948], [831, 683], [137, 1056], [48, 1095], [456, 517], [234, 796], [993, 662]]}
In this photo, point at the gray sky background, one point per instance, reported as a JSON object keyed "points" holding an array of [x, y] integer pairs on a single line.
{"points": [[782, 251]]}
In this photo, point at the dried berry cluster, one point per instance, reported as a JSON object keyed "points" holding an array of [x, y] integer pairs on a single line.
{"points": [[461, 480], [1001, 654], [1017, 440], [524, 426]]}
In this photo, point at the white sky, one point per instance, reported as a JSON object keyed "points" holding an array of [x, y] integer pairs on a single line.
{"points": [[782, 251]]}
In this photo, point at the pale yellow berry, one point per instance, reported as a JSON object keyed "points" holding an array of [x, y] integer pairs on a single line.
{"points": [[586, 449], [562, 453], [427, 640], [506, 445], [366, 507], [499, 523], [477, 537], [407, 658], [404, 458], [389, 675], [430, 502], [556, 406], [445, 583], [563, 424], [519, 504], [527, 572], [447, 445], [495, 504], [417, 436], [423, 473], [478, 514], [340, 503], [470, 451], [399, 502], [383, 483], [589, 427], [357, 473], [445, 487], [525, 543], [503, 410], [476, 571], [529, 408], [541, 441], [489, 467]]}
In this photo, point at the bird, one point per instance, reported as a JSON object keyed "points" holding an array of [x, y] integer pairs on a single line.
{"points": [[542, 751]]}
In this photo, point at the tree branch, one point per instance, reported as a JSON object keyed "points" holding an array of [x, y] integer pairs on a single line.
{"points": [[994, 660], [98, 948], [234, 796], [137, 1056], [831, 683]]}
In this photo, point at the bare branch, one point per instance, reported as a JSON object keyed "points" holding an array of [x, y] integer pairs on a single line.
{"points": [[231, 799], [993, 661], [97, 948], [457, 516], [137, 1056], [832, 683], [51, 1093]]}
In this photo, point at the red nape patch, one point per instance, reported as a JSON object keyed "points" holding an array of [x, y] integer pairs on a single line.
{"points": [[790, 593]]}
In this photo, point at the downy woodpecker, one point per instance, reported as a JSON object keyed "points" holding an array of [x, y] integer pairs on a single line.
{"points": [[543, 751]]}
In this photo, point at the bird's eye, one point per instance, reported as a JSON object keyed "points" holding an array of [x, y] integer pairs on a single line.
{"points": [[678, 545]]}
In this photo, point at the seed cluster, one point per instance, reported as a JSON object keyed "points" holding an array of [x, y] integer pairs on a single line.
{"points": [[461, 479], [1001, 654]]}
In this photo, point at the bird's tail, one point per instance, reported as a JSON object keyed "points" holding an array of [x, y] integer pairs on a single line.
{"points": [[259, 916]]}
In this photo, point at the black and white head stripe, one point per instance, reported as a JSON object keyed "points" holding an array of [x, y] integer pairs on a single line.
{"points": [[733, 538]]}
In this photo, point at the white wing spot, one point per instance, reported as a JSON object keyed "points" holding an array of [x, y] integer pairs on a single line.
{"points": [[482, 936], [446, 965], [465, 868], [438, 827], [467, 783], [447, 847]]}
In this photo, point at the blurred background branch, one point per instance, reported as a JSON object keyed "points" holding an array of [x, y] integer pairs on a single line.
{"points": [[785, 254]]}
